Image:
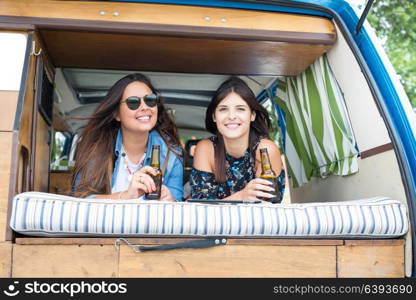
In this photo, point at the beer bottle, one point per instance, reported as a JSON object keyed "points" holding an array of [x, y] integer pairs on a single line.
{"points": [[155, 164], [268, 174]]}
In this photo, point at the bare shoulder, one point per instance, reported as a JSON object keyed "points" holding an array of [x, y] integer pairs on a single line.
{"points": [[204, 155], [204, 148], [271, 146], [204, 144], [274, 155]]}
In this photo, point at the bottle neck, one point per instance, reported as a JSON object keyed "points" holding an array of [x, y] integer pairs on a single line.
{"points": [[265, 163], [155, 158]]}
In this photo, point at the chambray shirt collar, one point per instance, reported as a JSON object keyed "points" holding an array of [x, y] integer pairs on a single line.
{"points": [[153, 139], [119, 142], [173, 175]]}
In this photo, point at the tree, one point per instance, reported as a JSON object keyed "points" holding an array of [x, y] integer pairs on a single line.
{"points": [[394, 23]]}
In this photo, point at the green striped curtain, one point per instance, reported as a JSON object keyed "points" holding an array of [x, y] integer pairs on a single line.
{"points": [[319, 137]]}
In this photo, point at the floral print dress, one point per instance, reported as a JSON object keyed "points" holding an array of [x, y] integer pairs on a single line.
{"points": [[239, 171]]}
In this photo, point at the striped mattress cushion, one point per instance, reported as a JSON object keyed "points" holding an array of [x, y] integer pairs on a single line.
{"points": [[43, 214]]}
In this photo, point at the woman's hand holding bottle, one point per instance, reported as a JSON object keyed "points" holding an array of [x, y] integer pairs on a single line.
{"points": [[141, 183], [257, 189]]}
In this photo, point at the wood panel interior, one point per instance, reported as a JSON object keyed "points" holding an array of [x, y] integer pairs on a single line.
{"points": [[23, 170], [371, 260], [30, 170], [42, 156], [174, 38], [64, 261], [26, 119], [231, 261], [178, 54], [21, 180], [165, 14], [41, 131], [5, 259], [6, 146], [173, 240], [77, 257]]}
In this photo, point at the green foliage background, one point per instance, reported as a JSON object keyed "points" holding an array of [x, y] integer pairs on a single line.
{"points": [[395, 24]]}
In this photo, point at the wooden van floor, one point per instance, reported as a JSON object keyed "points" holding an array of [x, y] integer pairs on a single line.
{"points": [[98, 257]]}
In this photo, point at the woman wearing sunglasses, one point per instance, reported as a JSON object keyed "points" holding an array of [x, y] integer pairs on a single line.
{"points": [[113, 154], [227, 165]]}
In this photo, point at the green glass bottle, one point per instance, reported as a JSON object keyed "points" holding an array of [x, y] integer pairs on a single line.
{"points": [[155, 164], [268, 174]]}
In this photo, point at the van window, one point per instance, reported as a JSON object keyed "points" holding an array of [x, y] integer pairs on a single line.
{"points": [[61, 159]]}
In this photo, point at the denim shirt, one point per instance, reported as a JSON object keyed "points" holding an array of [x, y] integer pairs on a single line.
{"points": [[173, 176]]}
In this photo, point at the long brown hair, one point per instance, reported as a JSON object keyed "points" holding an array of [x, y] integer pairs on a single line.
{"points": [[94, 160], [259, 128]]}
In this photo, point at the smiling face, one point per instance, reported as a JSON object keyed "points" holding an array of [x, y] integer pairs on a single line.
{"points": [[142, 119], [233, 117]]}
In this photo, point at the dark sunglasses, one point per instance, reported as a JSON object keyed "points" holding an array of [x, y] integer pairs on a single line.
{"points": [[133, 102]]}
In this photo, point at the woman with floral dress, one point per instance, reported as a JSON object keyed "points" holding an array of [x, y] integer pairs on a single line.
{"points": [[227, 165]]}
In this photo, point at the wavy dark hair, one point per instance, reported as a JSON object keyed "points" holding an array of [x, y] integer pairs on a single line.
{"points": [[94, 161], [259, 128]]}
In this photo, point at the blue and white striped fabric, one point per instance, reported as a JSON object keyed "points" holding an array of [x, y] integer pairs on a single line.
{"points": [[43, 214]]}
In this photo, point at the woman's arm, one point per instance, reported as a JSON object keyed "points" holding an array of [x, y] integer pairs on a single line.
{"points": [[204, 156], [174, 181], [254, 190], [258, 187], [140, 184], [202, 179]]}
